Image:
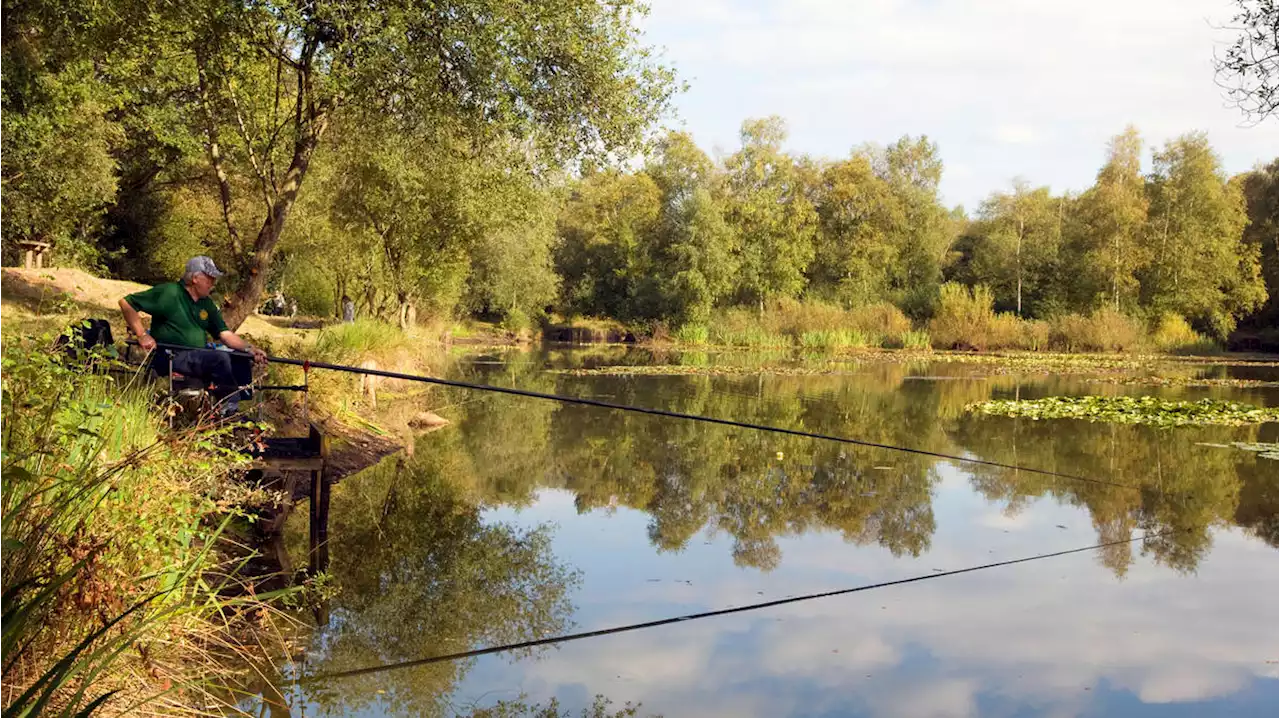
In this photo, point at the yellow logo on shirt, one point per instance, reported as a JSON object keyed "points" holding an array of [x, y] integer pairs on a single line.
{"points": [[204, 314]]}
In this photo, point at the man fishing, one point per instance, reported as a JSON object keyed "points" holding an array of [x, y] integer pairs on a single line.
{"points": [[182, 314]]}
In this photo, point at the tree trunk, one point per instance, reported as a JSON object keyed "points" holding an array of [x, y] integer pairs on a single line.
{"points": [[239, 305]]}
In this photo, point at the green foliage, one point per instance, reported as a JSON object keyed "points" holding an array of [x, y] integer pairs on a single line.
{"points": [[768, 209], [964, 317], [1174, 335], [1198, 267], [345, 342], [59, 173], [1261, 188], [1102, 236], [1131, 410], [1016, 247], [914, 340], [836, 339]]}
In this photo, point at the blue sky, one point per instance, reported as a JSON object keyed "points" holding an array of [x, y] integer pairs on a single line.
{"points": [[1006, 88]]}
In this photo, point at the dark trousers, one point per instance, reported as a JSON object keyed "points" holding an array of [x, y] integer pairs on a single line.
{"points": [[225, 372]]}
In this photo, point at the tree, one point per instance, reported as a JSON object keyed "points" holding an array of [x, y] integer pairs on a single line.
{"points": [[58, 172], [692, 247], [1104, 230], [1260, 188], [1247, 72], [774, 221], [860, 224], [1017, 249], [567, 78], [603, 229], [1199, 266], [913, 170]]}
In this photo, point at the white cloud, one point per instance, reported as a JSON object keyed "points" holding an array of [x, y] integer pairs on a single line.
{"points": [[1072, 73]]}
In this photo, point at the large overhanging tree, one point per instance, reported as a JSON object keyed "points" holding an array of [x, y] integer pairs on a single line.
{"points": [[563, 79]]}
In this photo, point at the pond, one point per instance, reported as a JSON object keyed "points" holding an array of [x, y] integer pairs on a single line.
{"points": [[527, 519]]}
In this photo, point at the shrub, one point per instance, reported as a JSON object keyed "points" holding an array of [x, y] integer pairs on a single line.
{"points": [[1174, 335], [883, 319]]}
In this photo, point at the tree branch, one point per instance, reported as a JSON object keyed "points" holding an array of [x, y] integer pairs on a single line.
{"points": [[215, 155], [247, 138]]}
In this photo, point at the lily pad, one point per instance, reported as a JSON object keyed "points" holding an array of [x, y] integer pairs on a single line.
{"points": [[1131, 410]]}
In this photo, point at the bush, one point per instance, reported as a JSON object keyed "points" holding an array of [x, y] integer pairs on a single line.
{"points": [[1174, 335], [1105, 330], [745, 328]]}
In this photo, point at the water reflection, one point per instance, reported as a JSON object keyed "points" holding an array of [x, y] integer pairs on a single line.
{"points": [[450, 549]]}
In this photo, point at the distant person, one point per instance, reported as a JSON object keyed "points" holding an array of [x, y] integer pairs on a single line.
{"points": [[182, 315], [293, 308], [348, 310]]}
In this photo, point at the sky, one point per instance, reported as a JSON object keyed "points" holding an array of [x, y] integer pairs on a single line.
{"points": [[1007, 88]]}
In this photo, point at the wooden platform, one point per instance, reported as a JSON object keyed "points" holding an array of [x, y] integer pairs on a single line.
{"points": [[311, 454]]}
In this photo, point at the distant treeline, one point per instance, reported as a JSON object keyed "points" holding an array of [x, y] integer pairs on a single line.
{"points": [[447, 160]]}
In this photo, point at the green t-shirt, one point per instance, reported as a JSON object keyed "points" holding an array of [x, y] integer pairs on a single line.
{"points": [[176, 318]]}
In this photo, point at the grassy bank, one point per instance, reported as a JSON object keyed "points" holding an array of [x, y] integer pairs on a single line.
{"points": [[117, 594]]}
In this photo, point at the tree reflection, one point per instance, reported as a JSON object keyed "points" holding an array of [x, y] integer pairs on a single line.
{"points": [[757, 487], [419, 573]]}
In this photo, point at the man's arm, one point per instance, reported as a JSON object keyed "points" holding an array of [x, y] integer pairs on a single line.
{"points": [[134, 321], [235, 341]]}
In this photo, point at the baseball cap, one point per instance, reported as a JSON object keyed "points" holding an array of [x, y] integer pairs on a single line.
{"points": [[204, 265]]}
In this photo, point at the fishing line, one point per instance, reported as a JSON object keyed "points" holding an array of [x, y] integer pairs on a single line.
{"points": [[308, 365], [704, 614]]}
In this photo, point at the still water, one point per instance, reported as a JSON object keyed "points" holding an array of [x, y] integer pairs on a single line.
{"points": [[526, 519]]}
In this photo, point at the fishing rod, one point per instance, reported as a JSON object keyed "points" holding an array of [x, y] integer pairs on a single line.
{"points": [[307, 365], [705, 614]]}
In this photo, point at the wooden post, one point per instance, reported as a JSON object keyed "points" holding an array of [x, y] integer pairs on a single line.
{"points": [[319, 505], [29, 261]]}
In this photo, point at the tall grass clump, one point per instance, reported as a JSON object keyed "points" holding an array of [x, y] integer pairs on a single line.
{"points": [[912, 341], [965, 318], [114, 594], [1106, 330], [829, 339], [362, 338], [692, 334], [809, 325], [745, 328]]}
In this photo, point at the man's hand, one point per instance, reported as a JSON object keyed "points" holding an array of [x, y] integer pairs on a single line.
{"points": [[147, 342], [259, 356]]}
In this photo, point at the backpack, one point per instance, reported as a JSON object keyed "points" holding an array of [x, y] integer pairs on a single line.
{"points": [[84, 336]]}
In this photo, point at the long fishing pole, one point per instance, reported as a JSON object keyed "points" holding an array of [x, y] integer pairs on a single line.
{"points": [[704, 614], [307, 365]]}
